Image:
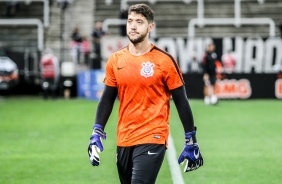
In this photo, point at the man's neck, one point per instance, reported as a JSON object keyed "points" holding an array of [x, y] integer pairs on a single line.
{"points": [[139, 48]]}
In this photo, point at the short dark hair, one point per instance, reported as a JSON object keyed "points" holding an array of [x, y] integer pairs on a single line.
{"points": [[144, 10]]}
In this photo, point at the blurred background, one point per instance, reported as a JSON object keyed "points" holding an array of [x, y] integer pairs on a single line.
{"points": [[60, 47], [57, 49]]}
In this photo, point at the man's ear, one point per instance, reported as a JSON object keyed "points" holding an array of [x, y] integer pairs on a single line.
{"points": [[151, 27]]}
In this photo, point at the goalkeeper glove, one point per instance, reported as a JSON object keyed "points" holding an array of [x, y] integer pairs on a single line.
{"points": [[191, 153], [96, 145]]}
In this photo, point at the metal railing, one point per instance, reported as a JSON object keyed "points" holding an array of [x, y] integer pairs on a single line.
{"points": [[123, 3], [25, 22], [46, 9], [236, 21]]}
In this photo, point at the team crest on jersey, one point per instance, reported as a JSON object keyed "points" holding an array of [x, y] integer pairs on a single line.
{"points": [[147, 70]]}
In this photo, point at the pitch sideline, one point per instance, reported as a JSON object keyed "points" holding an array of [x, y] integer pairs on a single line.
{"points": [[176, 174]]}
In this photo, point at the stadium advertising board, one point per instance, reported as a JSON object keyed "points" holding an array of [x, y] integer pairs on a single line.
{"points": [[256, 73], [278, 88], [90, 84]]}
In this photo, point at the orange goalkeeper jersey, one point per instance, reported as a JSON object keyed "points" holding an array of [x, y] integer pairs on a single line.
{"points": [[144, 83]]}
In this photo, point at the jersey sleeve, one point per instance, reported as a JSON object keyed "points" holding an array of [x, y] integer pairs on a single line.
{"points": [[172, 74], [110, 79]]}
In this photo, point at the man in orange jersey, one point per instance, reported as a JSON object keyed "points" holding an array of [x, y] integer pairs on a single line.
{"points": [[144, 77]]}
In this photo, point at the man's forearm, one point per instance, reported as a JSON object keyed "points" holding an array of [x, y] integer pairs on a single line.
{"points": [[183, 108], [105, 105]]}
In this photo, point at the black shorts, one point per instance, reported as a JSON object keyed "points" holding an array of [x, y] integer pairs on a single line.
{"points": [[212, 79], [140, 163]]}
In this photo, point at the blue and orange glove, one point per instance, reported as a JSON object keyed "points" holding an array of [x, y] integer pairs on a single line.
{"points": [[191, 153], [96, 145]]}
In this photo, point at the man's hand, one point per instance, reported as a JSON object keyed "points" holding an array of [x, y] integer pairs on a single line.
{"points": [[96, 145], [191, 153]]}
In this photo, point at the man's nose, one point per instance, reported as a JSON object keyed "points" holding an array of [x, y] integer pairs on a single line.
{"points": [[133, 26]]}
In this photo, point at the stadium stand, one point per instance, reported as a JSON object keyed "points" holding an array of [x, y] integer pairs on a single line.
{"points": [[172, 17], [78, 14], [19, 37], [22, 33], [28, 29]]}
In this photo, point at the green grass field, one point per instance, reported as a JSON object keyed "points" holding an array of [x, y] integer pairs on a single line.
{"points": [[46, 142]]}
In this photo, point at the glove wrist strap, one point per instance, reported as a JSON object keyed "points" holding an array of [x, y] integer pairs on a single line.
{"points": [[98, 129], [98, 126], [189, 137]]}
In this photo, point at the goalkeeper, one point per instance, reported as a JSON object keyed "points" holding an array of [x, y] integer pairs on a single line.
{"points": [[143, 77]]}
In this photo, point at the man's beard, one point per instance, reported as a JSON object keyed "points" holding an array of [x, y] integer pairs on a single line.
{"points": [[137, 40]]}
